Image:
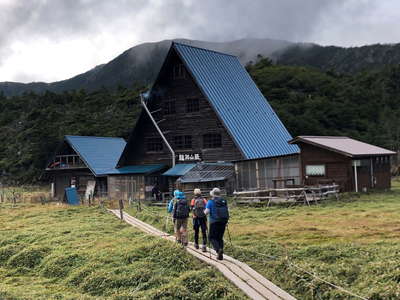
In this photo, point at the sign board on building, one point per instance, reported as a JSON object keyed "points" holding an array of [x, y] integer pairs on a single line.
{"points": [[189, 157]]}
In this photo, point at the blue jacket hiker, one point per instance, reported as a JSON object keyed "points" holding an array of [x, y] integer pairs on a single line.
{"points": [[179, 207], [218, 212]]}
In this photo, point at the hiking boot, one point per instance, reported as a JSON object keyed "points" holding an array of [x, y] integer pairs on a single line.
{"points": [[204, 248], [220, 254], [196, 246]]}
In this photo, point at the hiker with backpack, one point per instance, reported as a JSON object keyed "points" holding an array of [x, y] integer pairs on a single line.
{"points": [[198, 205], [179, 207], [218, 212]]}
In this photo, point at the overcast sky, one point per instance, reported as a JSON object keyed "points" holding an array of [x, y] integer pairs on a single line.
{"points": [[48, 40]]}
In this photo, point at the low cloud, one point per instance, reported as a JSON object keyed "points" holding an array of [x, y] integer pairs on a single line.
{"points": [[47, 40]]}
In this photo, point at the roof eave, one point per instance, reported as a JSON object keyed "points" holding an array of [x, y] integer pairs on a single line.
{"points": [[80, 155], [299, 139], [267, 157]]}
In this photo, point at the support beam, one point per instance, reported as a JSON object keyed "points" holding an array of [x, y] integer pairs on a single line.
{"points": [[158, 129]]}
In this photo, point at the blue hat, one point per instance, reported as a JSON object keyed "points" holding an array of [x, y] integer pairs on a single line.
{"points": [[176, 193]]}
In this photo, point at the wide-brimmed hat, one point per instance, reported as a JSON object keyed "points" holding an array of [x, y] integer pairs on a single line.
{"points": [[215, 192]]}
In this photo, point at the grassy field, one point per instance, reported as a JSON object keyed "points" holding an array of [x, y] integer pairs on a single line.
{"points": [[58, 252], [353, 243]]}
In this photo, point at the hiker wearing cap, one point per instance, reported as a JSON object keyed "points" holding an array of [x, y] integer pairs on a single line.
{"points": [[179, 207], [217, 209], [198, 205]]}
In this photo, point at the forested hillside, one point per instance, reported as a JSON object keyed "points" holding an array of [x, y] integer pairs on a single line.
{"points": [[308, 101], [341, 60]]}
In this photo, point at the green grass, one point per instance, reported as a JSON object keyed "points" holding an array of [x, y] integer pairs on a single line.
{"points": [[58, 252], [353, 243]]}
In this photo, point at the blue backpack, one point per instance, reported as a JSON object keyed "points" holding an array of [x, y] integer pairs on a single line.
{"points": [[221, 210]]}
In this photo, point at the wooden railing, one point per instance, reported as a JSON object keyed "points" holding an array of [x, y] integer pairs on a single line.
{"points": [[302, 194], [71, 161]]}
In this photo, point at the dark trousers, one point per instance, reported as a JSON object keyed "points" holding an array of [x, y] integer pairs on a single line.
{"points": [[197, 224], [217, 230]]}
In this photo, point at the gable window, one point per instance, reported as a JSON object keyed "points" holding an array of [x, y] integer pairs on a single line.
{"points": [[169, 107], [154, 145], [178, 71], [183, 142], [192, 105], [315, 170], [212, 140]]}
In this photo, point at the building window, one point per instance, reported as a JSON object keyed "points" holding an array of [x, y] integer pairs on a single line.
{"points": [[183, 142], [212, 140], [315, 170], [178, 71], [192, 105], [169, 107], [154, 145]]}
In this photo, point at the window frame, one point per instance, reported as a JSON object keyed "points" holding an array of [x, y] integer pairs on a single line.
{"points": [[211, 142], [179, 71], [185, 143], [153, 141], [192, 105], [169, 107], [315, 175]]}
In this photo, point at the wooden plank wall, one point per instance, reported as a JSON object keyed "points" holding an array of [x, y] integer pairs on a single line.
{"points": [[181, 123]]}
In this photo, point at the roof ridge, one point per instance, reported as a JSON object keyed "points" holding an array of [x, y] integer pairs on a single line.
{"points": [[325, 136], [94, 137], [205, 49]]}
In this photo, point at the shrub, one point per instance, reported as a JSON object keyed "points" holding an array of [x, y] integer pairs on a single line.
{"points": [[28, 258], [8, 251], [58, 265]]}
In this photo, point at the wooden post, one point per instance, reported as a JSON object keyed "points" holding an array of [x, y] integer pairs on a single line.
{"points": [[121, 207], [257, 176], [355, 176], [237, 176], [139, 207]]}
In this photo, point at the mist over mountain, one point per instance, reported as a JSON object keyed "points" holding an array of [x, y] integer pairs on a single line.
{"points": [[140, 64]]}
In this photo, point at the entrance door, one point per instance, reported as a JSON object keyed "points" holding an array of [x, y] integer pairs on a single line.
{"points": [[61, 183], [132, 189]]}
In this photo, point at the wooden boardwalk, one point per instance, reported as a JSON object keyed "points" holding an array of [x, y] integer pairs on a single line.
{"points": [[253, 284]]}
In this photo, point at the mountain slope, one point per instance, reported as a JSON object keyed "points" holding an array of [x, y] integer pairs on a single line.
{"points": [[140, 65], [340, 60]]}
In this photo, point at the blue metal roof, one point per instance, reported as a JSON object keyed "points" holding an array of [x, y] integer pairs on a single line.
{"points": [[246, 114], [137, 169], [100, 154], [179, 170]]}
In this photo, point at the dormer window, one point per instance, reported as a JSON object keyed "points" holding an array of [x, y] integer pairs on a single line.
{"points": [[154, 145], [178, 71], [169, 107], [192, 105]]}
